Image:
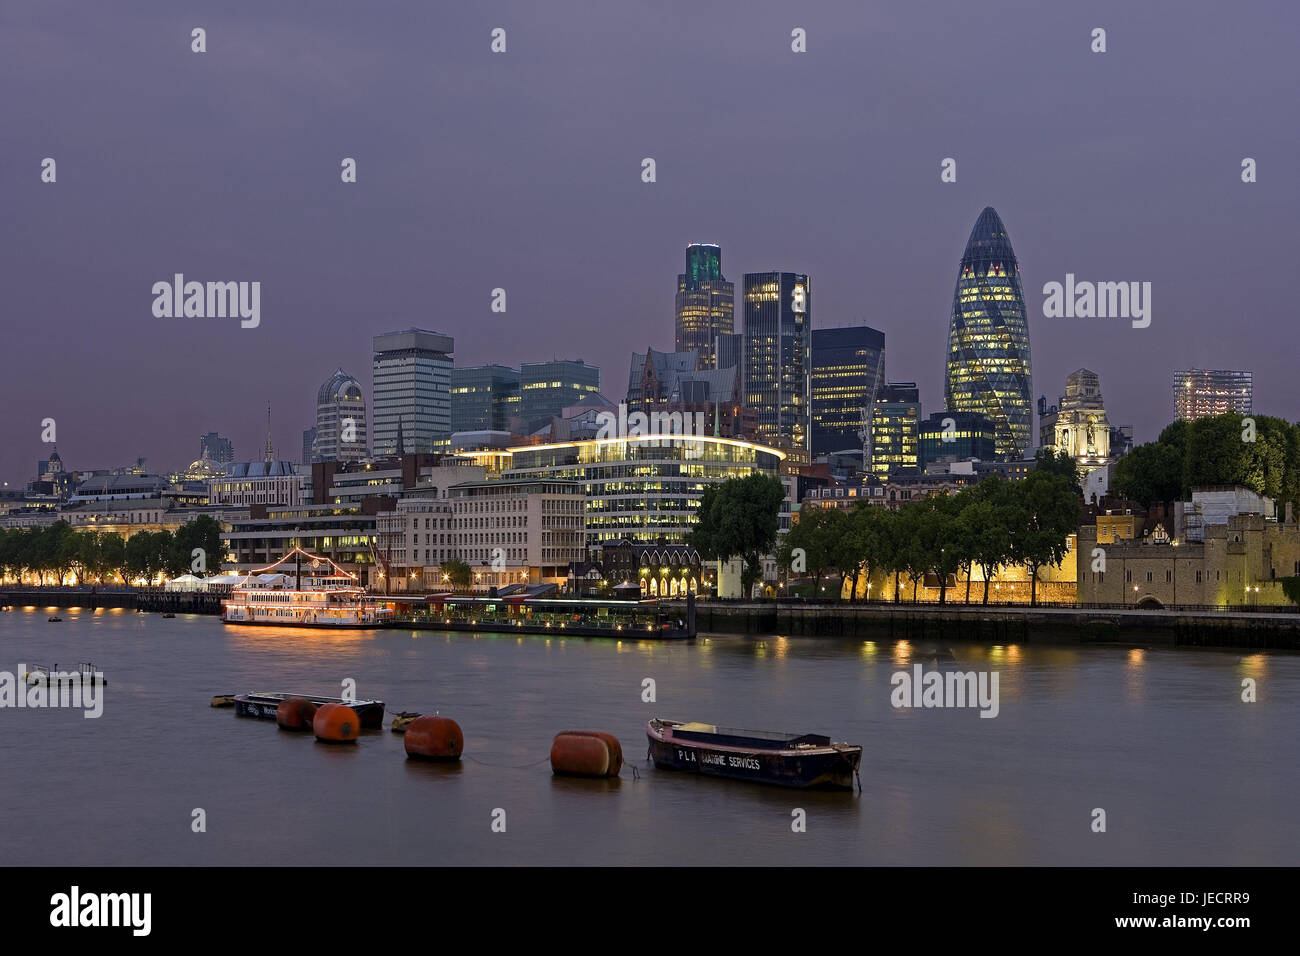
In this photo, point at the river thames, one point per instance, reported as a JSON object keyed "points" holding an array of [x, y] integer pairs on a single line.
{"points": [[1160, 739]]}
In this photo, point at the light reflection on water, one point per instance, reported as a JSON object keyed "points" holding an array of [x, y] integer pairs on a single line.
{"points": [[1160, 738]]}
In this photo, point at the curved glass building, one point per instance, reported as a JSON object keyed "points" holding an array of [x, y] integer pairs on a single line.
{"points": [[988, 370], [647, 488]]}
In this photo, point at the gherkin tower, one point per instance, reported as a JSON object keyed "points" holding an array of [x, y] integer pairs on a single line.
{"points": [[988, 368]]}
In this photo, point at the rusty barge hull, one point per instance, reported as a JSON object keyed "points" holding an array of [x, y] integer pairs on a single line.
{"points": [[802, 762]]}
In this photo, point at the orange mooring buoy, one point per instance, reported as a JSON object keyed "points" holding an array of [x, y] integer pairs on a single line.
{"points": [[296, 713], [434, 738], [586, 753], [335, 723]]}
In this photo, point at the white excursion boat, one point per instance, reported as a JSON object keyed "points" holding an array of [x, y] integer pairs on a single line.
{"points": [[314, 592]]}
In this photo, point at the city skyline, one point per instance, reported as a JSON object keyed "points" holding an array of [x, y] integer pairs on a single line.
{"points": [[500, 188]]}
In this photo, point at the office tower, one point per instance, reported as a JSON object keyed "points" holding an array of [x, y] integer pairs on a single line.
{"points": [[547, 388], [483, 398], [1199, 392], [988, 367], [847, 365], [958, 436], [216, 449], [705, 303], [730, 351], [412, 385], [778, 322], [308, 446], [340, 420], [895, 429]]}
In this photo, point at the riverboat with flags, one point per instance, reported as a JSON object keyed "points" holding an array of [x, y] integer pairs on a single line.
{"points": [[312, 591]]}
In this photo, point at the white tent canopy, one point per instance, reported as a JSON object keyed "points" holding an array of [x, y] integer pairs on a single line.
{"points": [[186, 582]]}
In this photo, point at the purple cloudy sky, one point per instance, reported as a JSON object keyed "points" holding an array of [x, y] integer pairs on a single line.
{"points": [[522, 170]]}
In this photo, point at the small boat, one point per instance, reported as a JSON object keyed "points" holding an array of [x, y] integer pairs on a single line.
{"points": [[86, 673], [807, 761], [264, 706], [403, 720], [223, 700], [55, 620], [169, 614]]}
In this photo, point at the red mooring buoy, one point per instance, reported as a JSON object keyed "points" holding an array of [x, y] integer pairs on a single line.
{"points": [[434, 738], [296, 713], [336, 724], [586, 753]]}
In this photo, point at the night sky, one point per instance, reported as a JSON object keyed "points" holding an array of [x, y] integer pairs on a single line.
{"points": [[522, 170]]}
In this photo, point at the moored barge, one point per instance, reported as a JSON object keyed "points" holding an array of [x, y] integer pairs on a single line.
{"points": [[806, 761], [264, 706]]}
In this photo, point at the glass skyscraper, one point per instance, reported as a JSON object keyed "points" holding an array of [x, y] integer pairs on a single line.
{"points": [[778, 359], [845, 366], [988, 369], [412, 384], [483, 398], [705, 304], [547, 388], [895, 429], [956, 435]]}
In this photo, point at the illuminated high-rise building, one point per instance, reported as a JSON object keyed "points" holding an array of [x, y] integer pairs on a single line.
{"points": [[956, 436], [846, 367], [412, 384], [988, 368], [1199, 392], [705, 303], [896, 429], [778, 358]]}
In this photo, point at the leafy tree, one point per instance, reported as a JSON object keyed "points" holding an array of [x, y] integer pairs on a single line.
{"points": [[112, 554], [864, 541], [147, 553], [937, 539], [1152, 472], [1291, 588], [88, 553], [810, 545], [457, 573], [1059, 463], [9, 552], [1044, 512], [1215, 450], [739, 519], [845, 549], [204, 533], [909, 552]]}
